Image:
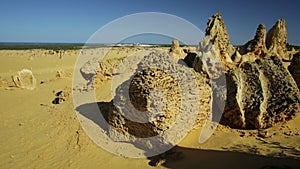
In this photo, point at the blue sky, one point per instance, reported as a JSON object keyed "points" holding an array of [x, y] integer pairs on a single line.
{"points": [[77, 20]]}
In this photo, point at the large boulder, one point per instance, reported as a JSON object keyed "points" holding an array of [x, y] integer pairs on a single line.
{"points": [[276, 41], [216, 32], [150, 89], [159, 100], [260, 94], [294, 68]]}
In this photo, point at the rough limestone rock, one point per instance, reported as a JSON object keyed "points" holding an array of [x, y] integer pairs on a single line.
{"points": [[152, 101], [62, 96], [145, 91], [207, 63], [105, 71], [176, 49], [89, 71], [217, 34], [96, 71], [260, 94], [256, 46], [24, 79], [294, 68], [277, 40], [207, 60], [236, 57], [291, 53]]}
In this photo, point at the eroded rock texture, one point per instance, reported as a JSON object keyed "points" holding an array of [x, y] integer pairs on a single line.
{"points": [[160, 96], [294, 68], [151, 90], [260, 91], [24, 79], [216, 32], [176, 49], [256, 46], [208, 61], [277, 39], [260, 94]]}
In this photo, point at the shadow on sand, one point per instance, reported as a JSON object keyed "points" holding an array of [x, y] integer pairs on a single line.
{"points": [[196, 158], [91, 112]]}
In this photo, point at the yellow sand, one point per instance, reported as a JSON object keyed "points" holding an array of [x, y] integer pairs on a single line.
{"points": [[38, 134]]}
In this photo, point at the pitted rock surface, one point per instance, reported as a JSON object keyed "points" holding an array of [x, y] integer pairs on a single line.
{"points": [[216, 32], [260, 94], [277, 39], [24, 79], [256, 46], [160, 99], [176, 49], [294, 68]]}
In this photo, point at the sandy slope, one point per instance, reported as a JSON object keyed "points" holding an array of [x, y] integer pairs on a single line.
{"points": [[38, 134]]}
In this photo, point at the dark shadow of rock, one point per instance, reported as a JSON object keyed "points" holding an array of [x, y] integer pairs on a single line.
{"points": [[91, 110], [195, 158], [181, 157], [189, 59]]}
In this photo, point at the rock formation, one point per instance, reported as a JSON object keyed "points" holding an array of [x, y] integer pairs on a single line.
{"points": [[260, 91], [24, 79], [158, 97], [176, 49], [291, 53], [62, 96], [95, 72], [217, 34], [236, 57], [207, 61], [256, 46], [277, 40], [260, 94], [89, 70], [294, 68], [145, 92]]}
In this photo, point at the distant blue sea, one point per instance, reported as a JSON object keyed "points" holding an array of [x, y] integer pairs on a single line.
{"points": [[63, 46]]}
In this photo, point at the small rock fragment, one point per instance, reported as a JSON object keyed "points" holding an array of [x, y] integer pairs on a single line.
{"points": [[24, 79]]}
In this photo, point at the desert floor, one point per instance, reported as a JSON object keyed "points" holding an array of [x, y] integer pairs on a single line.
{"points": [[38, 134]]}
